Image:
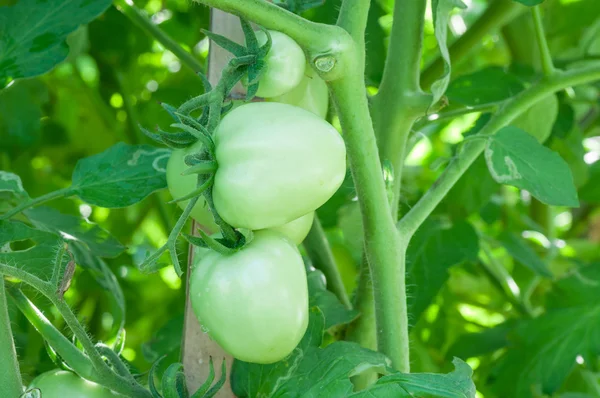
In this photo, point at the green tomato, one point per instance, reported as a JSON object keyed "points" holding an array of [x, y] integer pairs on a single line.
{"points": [[284, 65], [62, 384], [254, 302], [296, 230], [277, 162], [180, 186], [311, 94]]}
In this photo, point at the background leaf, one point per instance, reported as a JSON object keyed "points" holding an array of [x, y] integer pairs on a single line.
{"points": [[516, 158], [34, 33]]}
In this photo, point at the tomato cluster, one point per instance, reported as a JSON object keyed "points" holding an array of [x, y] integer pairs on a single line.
{"points": [[278, 161]]}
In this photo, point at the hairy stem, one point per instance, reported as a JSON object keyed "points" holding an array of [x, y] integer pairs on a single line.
{"points": [[511, 109], [320, 254], [149, 27], [61, 193], [10, 376], [546, 57], [103, 374], [384, 252]]}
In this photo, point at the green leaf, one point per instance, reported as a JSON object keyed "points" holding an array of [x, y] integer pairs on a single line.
{"points": [[539, 119], [551, 343], [530, 3], [582, 287], [441, 15], [97, 240], [38, 253], [475, 88], [432, 251], [516, 158], [571, 149], [34, 33], [335, 313], [477, 344], [121, 176], [517, 247], [456, 384], [310, 371]]}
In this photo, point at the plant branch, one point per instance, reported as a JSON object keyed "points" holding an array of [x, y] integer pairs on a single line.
{"points": [[383, 248], [60, 193], [508, 112], [10, 376], [546, 61], [498, 14], [103, 373], [147, 25], [309, 35], [353, 17], [320, 254], [454, 113], [400, 89]]}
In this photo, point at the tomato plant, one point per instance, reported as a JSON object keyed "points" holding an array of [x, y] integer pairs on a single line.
{"points": [[182, 214], [64, 384], [253, 302]]}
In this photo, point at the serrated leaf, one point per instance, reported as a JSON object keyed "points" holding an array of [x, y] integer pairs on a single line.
{"points": [[517, 247], [552, 342], [516, 158], [432, 251], [97, 240], [34, 33], [475, 88], [456, 384], [334, 311], [121, 176], [309, 369], [38, 259], [441, 15]]}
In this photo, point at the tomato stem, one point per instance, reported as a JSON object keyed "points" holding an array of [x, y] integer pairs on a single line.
{"points": [[60, 193], [506, 113], [10, 377], [545, 55]]}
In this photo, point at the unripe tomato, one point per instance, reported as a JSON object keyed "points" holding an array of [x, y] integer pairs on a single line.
{"points": [[254, 302], [277, 162], [296, 230], [311, 94], [284, 65], [180, 186], [62, 384]]}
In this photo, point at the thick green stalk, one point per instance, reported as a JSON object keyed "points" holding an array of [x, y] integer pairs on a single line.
{"points": [[143, 22], [498, 14], [400, 101], [384, 252], [320, 254], [10, 376], [547, 64], [512, 108], [310, 35]]}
